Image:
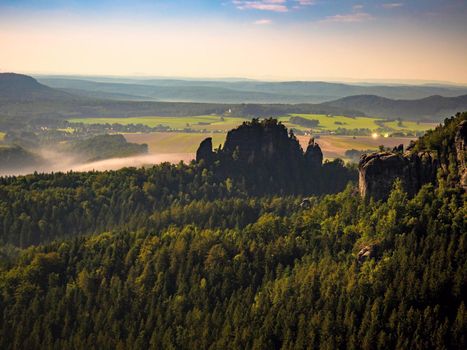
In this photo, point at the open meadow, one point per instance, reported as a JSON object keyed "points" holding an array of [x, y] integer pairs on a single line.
{"points": [[203, 122], [216, 123]]}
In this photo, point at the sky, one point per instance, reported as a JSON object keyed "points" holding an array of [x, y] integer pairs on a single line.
{"points": [[419, 40]]}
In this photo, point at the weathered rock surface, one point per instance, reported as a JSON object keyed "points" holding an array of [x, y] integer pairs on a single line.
{"points": [[313, 154], [258, 141], [461, 151], [443, 148], [378, 171], [263, 156], [205, 151], [367, 252]]}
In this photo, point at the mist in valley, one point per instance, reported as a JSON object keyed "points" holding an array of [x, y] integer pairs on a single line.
{"points": [[49, 160]]}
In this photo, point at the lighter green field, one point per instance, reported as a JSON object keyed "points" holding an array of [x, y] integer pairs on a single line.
{"points": [[174, 142], [328, 123], [332, 123], [208, 122], [407, 125], [219, 124], [2, 136]]}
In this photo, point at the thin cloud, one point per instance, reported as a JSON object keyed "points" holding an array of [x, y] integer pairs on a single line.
{"points": [[263, 5], [263, 22], [305, 2], [392, 5], [349, 18]]}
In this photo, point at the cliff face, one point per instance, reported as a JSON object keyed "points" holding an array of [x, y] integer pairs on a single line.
{"points": [[443, 148], [205, 150], [313, 154], [264, 158], [461, 151], [378, 171], [264, 143]]}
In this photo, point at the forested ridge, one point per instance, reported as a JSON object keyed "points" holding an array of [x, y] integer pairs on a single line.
{"points": [[174, 257]]}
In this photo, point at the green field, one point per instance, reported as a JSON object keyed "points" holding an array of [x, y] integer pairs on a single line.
{"points": [[212, 122], [223, 124], [328, 123], [408, 125], [174, 142], [332, 123], [2, 136]]}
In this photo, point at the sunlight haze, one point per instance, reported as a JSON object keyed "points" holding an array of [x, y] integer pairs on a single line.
{"points": [[300, 40]]}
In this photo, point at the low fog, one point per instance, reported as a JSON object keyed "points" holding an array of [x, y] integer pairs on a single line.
{"points": [[52, 161]]}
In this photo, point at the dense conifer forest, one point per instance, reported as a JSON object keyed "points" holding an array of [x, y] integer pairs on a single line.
{"points": [[184, 256]]}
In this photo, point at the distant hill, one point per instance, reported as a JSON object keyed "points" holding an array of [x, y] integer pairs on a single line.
{"points": [[23, 98], [22, 88], [250, 91], [430, 108]]}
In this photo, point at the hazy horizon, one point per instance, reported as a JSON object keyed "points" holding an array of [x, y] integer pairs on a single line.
{"points": [[264, 39]]}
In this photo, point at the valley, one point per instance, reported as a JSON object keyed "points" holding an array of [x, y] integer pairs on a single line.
{"points": [[233, 175]]}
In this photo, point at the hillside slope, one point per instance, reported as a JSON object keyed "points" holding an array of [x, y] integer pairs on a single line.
{"points": [[429, 108], [23, 88], [171, 257], [220, 91]]}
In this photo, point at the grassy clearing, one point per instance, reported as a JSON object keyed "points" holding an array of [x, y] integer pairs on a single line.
{"points": [[331, 123], [174, 142], [209, 122], [407, 125]]}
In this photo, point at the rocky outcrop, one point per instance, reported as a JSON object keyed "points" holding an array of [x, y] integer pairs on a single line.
{"points": [[313, 154], [460, 143], [204, 151], [266, 158], [443, 149], [368, 252], [263, 141], [378, 171]]}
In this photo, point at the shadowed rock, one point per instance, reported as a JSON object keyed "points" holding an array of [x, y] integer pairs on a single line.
{"points": [[205, 151], [441, 149], [313, 154], [461, 150], [378, 171], [264, 156]]}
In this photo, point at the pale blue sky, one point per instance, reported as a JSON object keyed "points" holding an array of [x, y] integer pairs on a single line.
{"points": [[282, 39]]}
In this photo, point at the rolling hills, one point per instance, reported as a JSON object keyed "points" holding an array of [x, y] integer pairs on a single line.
{"points": [[250, 91], [22, 98], [430, 108]]}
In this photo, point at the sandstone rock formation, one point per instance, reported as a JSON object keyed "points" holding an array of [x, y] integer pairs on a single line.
{"points": [[261, 143], [313, 154], [443, 148], [205, 151], [461, 151], [378, 171], [264, 157]]}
